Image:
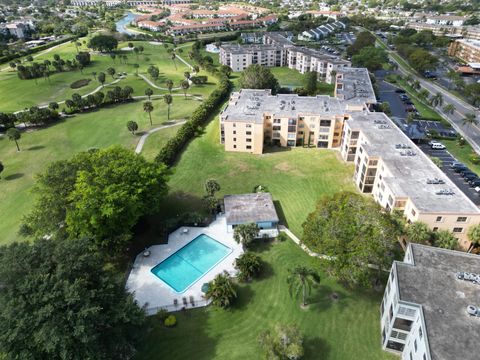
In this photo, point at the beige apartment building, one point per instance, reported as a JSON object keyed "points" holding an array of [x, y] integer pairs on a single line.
{"points": [[401, 177], [467, 50]]}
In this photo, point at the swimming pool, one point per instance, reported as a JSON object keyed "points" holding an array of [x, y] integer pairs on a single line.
{"points": [[182, 269]]}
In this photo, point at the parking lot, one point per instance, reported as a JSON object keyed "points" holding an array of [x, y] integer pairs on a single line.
{"points": [[437, 126], [447, 160]]}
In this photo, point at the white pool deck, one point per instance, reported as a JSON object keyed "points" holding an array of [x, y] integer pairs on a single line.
{"points": [[152, 293]]}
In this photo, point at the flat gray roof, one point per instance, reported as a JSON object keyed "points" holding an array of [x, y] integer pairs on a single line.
{"points": [[245, 49], [249, 106], [431, 282], [355, 85], [409, 173], [249, 208]]}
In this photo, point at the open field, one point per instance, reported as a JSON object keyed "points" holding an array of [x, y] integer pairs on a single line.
{"points": [[297, 178], [343, 329], [83, 131], [156, 140], [17, 94]]}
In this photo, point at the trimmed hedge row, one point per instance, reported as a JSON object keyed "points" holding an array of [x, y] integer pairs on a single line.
{"points": [[200, 116]]}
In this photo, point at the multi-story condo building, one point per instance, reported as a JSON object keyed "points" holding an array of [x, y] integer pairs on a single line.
{"points": [[452, 20], [467, 32], [467, 50], [429, 305], [279, 51]]}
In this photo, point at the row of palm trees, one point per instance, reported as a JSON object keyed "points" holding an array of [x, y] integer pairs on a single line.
{"points": [[132, 126]]}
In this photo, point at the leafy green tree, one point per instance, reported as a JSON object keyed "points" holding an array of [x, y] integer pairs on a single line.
{"points": [[210, 203], [446, 240], [285, 342], [53, 106], [132, 126], [61, 302], [99, 194], [148, 93], [419, 232], [111, 72], [173, 57], [310, 80], [13, 134], [148, 108], [154, 72], [221, 290], [470, 119], [421, 60], [385, 107], [474, 237], [258, 77], [354, 232], [249, 265], [300, 282], [101, 78], [245, 233], [168, 100], [211, 187], [103, 43], [169, 84], [370, 57], [449, 109], [225, 70], [136, 66], [363, 40], [423, 94], [113, 57], [185, 85]]}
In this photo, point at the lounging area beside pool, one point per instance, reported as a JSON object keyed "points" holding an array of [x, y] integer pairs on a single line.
{"points": [[172, 275]]}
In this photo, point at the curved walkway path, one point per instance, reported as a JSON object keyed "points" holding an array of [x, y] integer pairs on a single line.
{"points": [[143, 138]]}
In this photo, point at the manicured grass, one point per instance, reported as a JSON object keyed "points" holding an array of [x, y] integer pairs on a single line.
{"points": [[343, 329], [94, 129], [462, 153], [17, 94], [297, 178], [156, 140], [287, 77]]}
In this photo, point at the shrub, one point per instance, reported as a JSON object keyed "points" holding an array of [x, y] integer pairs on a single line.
{"points": [[475, 159], [282, 237], [249, 265], [79, 83], [170, 321], [162, 314]]}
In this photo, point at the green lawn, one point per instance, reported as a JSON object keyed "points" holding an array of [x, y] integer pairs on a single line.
{"points": [[343, 329], [156, 140], [297, 178], [462, 153], [292, 78], [17, 94], [94, 129]]}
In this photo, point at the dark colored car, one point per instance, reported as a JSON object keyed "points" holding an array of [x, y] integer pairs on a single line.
{"points": [[467, 173], [400, 91], [470, 177], [460, 169], [474, 182]]}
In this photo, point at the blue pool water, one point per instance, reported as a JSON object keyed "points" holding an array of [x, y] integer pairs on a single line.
{"points": [[191, 262]]}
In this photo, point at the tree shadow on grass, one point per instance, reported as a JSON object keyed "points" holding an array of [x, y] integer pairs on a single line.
{"points": [[244, 297], [36, 147], [266, 272], [316, 348], [13, 176], [324, 297]]}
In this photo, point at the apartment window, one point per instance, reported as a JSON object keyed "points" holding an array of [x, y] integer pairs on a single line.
{"points": [[234, 125], [462, 219], [234, 146], [248, 140], [325, 122], [249, 125], [249, 133], [439, 219], [435, 229], [414, 212], [457, 230], [234, 132], [234, 139], [249, 147], [277, 121]]}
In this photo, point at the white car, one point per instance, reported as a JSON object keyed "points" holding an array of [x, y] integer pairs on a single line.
{"points": [[438, 146]]}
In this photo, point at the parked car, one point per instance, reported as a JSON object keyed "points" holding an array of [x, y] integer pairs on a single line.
{"points": [[410, 108], [460, 169], [438, 146], [454, 164], [404, 97], [408, 102], [470, 177], [474, 183], [400, 91], [467, 173]]}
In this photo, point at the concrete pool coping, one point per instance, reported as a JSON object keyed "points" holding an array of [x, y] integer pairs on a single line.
{"points": [[152, 293]]}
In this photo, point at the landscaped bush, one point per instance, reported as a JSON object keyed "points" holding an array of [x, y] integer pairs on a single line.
{"points": [[475, 159], [162, 314], [170, 321], [79, 83], [282, 237]]}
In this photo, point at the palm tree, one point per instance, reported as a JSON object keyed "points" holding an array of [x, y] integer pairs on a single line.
{"points": [[409, 78], [132, 126], [185, 86], [94, 74], [474, 237], [136, 66], [186, 74], [149, 93], [419, 232], [168, 100], [169, 84], [452, 75], [449, 109], [101, 78], [196, 69], [113, 56], [416, 84], [300, 280], [445, 239], [469, 120], [148, 108], [249, 264], [221, 290], [13, 134], [423, 94], [173, 59], [437, 100]]}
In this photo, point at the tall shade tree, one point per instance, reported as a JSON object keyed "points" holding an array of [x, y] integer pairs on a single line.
{"points": [[13, 134], [356, 233], [148, 93], [169, 84], [60, 301], [111, 72], [285, 342], [99, 194], [148, 108], [474, 237], [53, 106], [258, 77], [103, 43], [185, 85], [168, 100], [101, 78], [245, 233], [300, 282], [419, 232], [221, 290], [132, 126], [469, 120], [310, 81]]}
